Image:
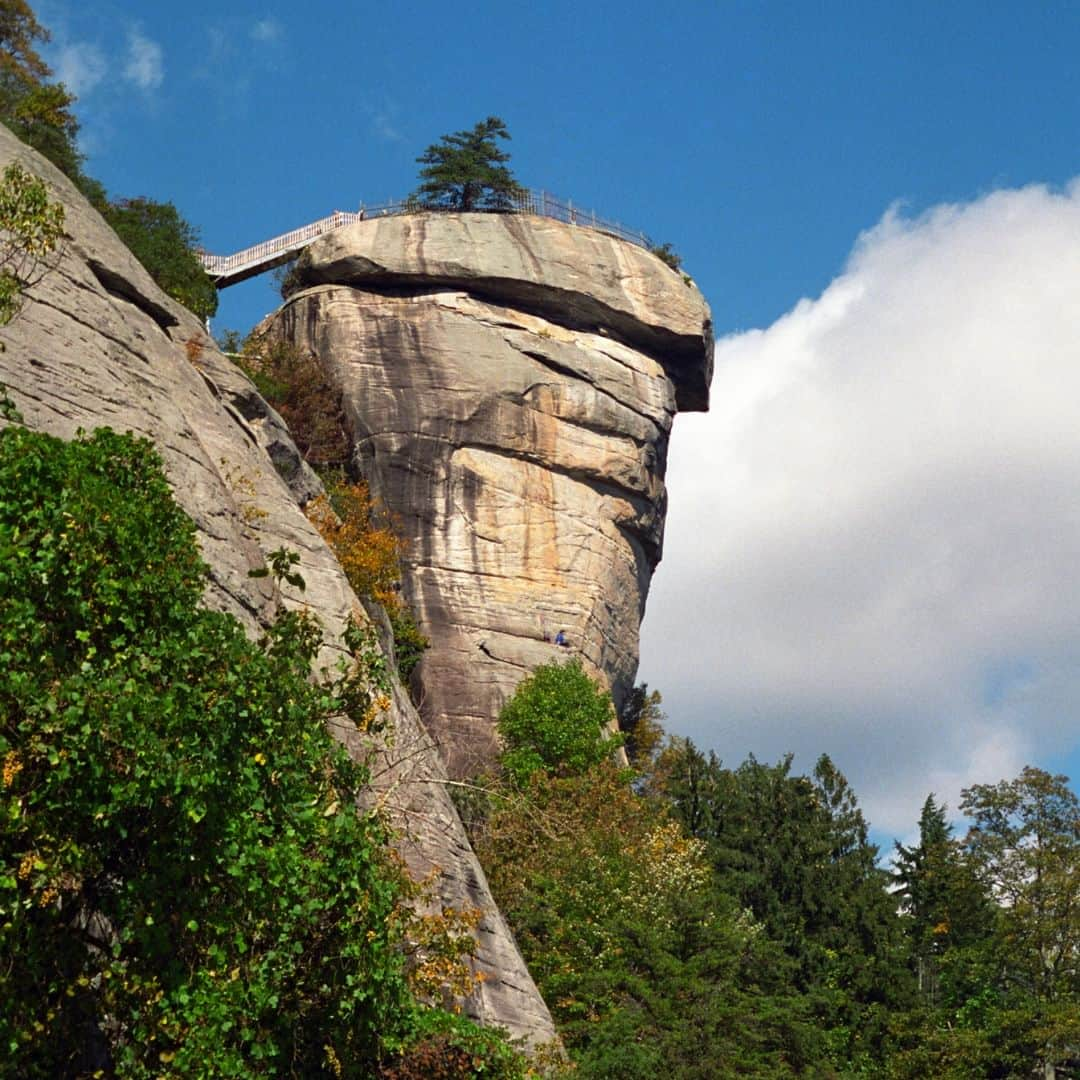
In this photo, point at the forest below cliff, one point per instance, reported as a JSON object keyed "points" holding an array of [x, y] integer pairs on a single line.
{"points": [[186, 888]]}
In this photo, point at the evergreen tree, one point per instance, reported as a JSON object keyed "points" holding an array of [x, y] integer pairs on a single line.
{"points": [[794, 851], [944, 905], [467, 171], [641, 720], [1008, 996]]}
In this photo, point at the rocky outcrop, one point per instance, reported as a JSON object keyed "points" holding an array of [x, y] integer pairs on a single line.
{"points": [[98, 343], [510, 383]]}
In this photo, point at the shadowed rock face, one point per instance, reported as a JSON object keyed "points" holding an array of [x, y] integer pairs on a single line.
{"points": [[98, 343], [510, 383]]}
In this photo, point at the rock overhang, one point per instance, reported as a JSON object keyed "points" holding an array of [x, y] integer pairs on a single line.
{"points": [[576, 276]]}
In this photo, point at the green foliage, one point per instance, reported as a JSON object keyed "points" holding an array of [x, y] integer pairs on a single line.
{"points": [[186, 886], [1025, 846], [36, 110], [32, 227], [230, 341], [557, 723], [298, 386], [641, 721], [467, 171], [1003, 955], [40, 113], [647, 970], [668, 255], [445, 1046], [794, 851], [410, 642], [288, 277], [280, 566], [165, 244], [945, 906]]}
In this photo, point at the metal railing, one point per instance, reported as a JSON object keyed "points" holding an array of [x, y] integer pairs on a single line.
{"points": [[227, 265], [228, 269]]}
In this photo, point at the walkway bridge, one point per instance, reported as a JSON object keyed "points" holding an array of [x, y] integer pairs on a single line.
{"points": [[227, 270]]}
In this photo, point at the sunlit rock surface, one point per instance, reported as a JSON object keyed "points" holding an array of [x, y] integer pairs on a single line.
{"points": [[510, 383]]}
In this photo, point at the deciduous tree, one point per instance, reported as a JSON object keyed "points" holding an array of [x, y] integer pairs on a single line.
{"points": [[32, 229], [37, 110], [556, 722], [165, 244]]}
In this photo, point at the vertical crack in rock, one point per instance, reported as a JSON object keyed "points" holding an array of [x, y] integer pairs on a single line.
{"points": [[512, 383]]}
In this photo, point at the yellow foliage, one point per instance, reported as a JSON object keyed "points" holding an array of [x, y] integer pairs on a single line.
{"points": [[194, 347], [12, 767], [440, 942], [369, 555], [441, 947]]}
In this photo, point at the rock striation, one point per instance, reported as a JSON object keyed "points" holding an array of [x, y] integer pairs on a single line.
{"points": [[99, 344], [510, 383]]}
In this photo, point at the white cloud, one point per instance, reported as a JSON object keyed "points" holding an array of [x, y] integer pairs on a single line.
{"points": [[80, 66], [384, 121], [145, 65], [873, 542], [384, 127], [268, 29]]}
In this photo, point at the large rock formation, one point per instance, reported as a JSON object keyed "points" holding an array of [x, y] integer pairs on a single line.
{"points": [[510, 382], [98, 343]]}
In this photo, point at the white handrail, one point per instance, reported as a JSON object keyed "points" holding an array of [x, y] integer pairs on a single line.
{"points": [[269, 251]]}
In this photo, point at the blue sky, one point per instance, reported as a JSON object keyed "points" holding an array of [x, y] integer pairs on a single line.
{"points": [[851, 186]]}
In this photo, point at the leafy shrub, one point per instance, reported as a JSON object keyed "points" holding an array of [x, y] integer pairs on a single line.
{"points": [[186, 886], [296, 385], [448, 1047], [289, 276], [33, 227], [370, 555], [410, 642], [667, 255], [556, 722]]}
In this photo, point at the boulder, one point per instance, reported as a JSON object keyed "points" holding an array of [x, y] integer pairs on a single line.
{"points": [[581, 277]]}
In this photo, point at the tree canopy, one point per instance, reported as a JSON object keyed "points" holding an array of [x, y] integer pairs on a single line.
{"points": [[556, 722], [467, 171], [40, 112], [37, 110], [165, 244]]}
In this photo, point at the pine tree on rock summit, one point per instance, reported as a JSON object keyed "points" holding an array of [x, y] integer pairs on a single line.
{"points": [[467, 171]]}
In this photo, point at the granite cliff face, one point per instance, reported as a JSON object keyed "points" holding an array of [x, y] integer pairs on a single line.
{"points": [[510, 383], [99, 344]]}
